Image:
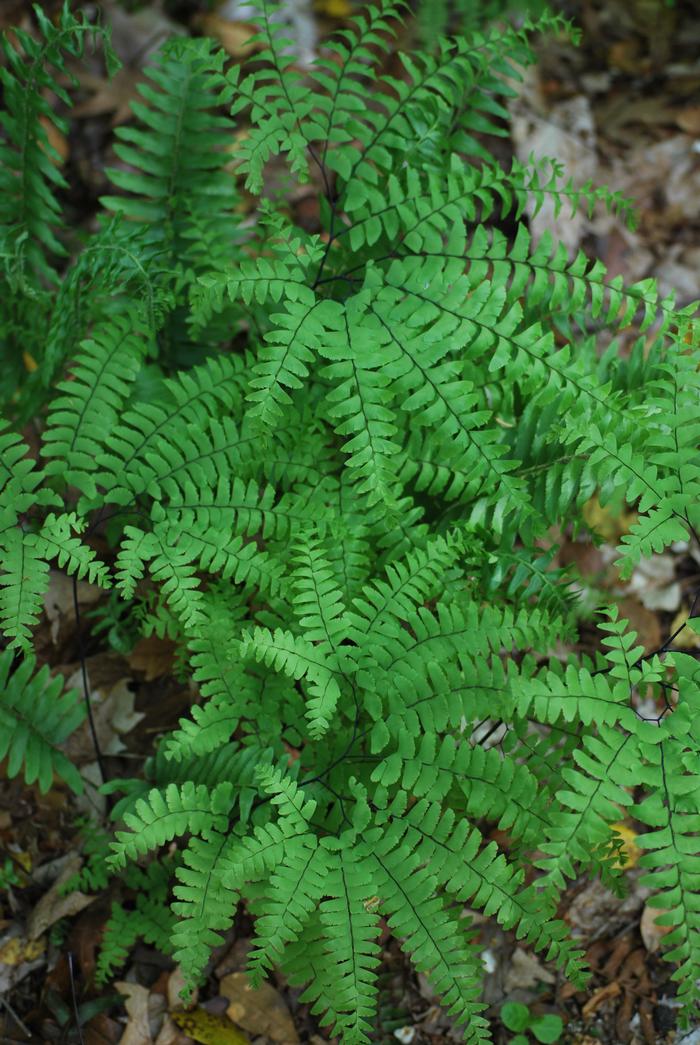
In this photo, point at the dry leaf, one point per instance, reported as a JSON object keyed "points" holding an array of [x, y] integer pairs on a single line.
{"points": [[138, 1031], [625, 55], [651, 933], [333, 8], [653, 582], [629, 845], [18, 957], [119, 705], [153, 656], [607, 524], [30, 363], [57, 141], [110, 96], [170, 1034], [567, 131], [113, 710], [525, 971], [689, 120], [137, 34], [596, 910], [53, 906], [260, 1011], [176, 985], [686, 638], [643, 621], [234, 37], [18, 949], [203, 1026], [58, 600]]}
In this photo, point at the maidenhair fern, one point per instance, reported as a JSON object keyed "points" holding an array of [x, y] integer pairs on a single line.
{"points": [[326, 466]]}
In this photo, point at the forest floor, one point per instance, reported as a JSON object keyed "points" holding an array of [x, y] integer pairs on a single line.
{"points": [[623, 109]]}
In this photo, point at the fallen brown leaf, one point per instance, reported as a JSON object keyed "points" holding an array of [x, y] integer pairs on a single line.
{"points": [[651, 933], [643, 621], [53, 906], [153, 656], [59, 605], [234, 37], [176, 985], [525, 971], [138, 1031], [57, 140], [689, 119], [110, 96], [260, 1011], [687, 638]]}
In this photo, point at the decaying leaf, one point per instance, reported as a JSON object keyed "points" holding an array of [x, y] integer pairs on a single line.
{"points": [[260, 1011], [138, 1031], [234, 37], [58, 601], [110, 96], [525, 971], [153, 656], [629, 845], [53, 905], [608, 524], [203, 1026], [653, 582], [688, 637], [18, 949], [651, 933], [18, 957]]}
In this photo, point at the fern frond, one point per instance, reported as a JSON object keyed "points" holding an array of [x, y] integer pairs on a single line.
{"points": [[37, 717], [430, 932], [203, 907], [23, 583], [179, 174], [92, 400], [299, 659], [55, 541], [166, 814], [33, 70]]}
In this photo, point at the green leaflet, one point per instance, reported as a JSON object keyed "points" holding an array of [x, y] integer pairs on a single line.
{"points": [[327, 466], [36, 718]]}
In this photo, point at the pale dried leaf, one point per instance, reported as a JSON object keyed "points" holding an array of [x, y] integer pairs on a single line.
{"points": [[261, 1011], [651, 933], [58, 601], [176, 985], [525, 971], [234, 37], [153, 656], [53, 906], [138, 1031]]}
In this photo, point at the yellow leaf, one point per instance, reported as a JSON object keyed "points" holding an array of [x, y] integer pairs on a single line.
{"points": [[608, 524], [334, 8], [234, 37], [203, 1026], [687, 638], [56, 140], [629, 845], [30, 363], [17, 950]]}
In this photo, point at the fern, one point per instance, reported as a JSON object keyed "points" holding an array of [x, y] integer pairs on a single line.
{"points": [[37, 717], [34, 68], [328, 467]]}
